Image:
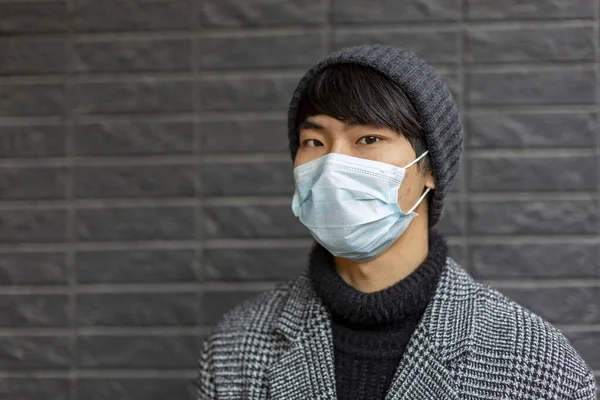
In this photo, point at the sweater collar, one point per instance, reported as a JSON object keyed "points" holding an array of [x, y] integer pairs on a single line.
{"points": [[407, 298]]}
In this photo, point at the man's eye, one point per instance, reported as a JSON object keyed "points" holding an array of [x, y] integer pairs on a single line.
{"points": [[368, 140], [312, 143]]}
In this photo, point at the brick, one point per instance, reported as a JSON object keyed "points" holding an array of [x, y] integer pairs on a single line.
{"points": [[533, 173], [246, 94], [254, 264], [145, 352], [586, 344], [394, 11], [555, 130], [32, 141], [217, 303], [34, 226], [458, 179], [243, 136], [264, 51], [140, 223], [459, 254], [32, 56], [129, 388], [529, 45], [33, 183], [136, 309], [451, 222], [146, 96], [438, 47], [236, 13], [567, 305], [132, 15], [518, 9], [116, 138], [134, 181], [33, 269], [32, 99], [33, 389], [149, 266], [138, 55], [34, 352], [567, 86], [34, 310], [33, 17], [250, 178], [251, 222], [532, 260], [534, 217]]}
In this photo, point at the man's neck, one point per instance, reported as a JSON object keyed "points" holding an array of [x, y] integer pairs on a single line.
{"points": [[396, 263]]}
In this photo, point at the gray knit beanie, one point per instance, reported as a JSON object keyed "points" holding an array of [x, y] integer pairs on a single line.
{"points": [[430, 96]]}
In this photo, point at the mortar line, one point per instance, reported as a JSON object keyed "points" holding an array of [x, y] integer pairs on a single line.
{"points": [[153, 289], [280, 243], [218, 244], [463, 189], [70, 195], [102, 373], [597, 48], [328, 25], [406, 25], [130, 77], [125, 331], [197, 151]]}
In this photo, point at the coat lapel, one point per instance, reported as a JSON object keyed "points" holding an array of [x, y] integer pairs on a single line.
{"points": [[440, 343], [306, 368], [428, 370]]}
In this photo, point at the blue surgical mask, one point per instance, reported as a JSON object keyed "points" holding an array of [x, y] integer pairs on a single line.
{"points": [[350, 205]]}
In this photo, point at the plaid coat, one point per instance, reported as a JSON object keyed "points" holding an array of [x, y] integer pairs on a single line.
{"points": [[472, 343]]}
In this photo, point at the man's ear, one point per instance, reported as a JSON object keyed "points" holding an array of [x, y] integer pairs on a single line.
{"points": [[430, 181]]}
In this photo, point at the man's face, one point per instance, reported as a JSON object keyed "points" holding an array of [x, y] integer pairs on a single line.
{"points": [[321, 134]]}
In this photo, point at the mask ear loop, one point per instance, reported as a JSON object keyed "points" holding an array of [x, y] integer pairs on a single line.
{"points": [[417, 159], [426, 191], [419, 201]]}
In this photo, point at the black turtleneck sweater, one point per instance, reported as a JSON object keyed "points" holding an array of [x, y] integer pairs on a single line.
{"points": [[371, 330]]}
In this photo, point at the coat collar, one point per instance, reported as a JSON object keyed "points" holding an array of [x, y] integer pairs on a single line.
{"points": [[444, 335]]}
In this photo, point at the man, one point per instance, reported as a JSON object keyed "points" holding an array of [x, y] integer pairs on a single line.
{"points": [[382, 311]]}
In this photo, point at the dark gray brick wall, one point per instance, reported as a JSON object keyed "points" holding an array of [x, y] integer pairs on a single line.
{"points": [[145, 184]]}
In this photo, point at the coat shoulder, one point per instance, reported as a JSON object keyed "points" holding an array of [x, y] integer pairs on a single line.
{"points": [[525, 347], [235, 356], [256, 314]]}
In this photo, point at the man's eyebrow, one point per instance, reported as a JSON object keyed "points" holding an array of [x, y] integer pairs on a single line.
{"points": [[309, 124]]}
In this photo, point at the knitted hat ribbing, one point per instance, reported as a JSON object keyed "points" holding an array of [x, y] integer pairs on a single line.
{"points": [[427, 91]]}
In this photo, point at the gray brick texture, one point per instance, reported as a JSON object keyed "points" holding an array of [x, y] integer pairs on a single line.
{"points": [[145, 184]]}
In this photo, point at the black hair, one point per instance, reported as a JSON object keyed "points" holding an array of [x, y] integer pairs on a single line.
{"points": [[363, 96]]}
